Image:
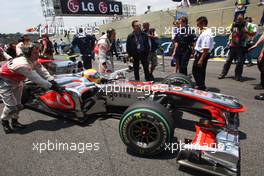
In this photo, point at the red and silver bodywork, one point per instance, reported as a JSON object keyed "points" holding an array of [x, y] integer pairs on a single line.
{"points": [[56, 67], [219, 113]]}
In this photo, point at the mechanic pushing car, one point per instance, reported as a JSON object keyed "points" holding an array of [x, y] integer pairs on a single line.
{"points": [[12, 75], [103, 51]]}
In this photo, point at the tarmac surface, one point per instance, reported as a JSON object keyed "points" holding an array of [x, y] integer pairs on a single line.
{"points": [[108, 156]]}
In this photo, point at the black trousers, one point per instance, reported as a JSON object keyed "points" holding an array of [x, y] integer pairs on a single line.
{"points": [[199, 72], [183, 55], [87, 61], [262, 18], [143, 58], [261, 69], [237, 53]]}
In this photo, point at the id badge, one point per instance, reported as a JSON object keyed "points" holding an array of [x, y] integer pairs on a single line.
{"points": [[138, 46]]}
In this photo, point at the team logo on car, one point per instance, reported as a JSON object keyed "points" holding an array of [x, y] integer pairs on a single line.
{"points": [[73, 6], [103, 7]]}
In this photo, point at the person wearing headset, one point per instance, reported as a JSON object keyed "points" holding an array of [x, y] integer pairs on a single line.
{"points": [[103, 51], [24, 41], [12, 76]]}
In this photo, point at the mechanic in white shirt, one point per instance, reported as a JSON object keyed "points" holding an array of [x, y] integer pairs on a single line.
{"points": [[102, 51], [203, 48], [12, 76]]}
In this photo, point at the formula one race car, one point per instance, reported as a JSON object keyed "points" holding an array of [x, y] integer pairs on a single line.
{"points": [[56, 66], [148, 111]]}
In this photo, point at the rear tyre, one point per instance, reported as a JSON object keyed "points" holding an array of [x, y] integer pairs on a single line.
{"points": [[178, 79], [146, 127]]}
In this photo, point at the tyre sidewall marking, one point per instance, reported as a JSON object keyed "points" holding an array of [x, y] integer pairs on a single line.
{"points": [[128, 118]]}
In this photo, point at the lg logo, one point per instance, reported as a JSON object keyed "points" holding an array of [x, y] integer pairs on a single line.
{"points": [[103, 7], [85, 6], [73, 5]]}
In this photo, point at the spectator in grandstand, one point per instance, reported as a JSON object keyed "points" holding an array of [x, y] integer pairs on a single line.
{"points": [[241, 8], [183, 45], [237, 48], [137, 46], [203, 48]]}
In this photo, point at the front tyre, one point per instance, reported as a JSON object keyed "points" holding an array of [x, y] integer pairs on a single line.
{"points": [[178, 79], [146, 127]]}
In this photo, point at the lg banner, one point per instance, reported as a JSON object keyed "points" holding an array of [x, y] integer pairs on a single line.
{"points": [[90, 7]]}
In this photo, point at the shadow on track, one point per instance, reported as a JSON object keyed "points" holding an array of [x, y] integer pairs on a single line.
{"points": [[42, 125]]}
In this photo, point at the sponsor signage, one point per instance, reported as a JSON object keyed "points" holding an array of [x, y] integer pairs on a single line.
{"points": [[221, 51], [89, 8]]}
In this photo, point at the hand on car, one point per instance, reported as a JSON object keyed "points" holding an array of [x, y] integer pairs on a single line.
{"points": [[55, 87]]}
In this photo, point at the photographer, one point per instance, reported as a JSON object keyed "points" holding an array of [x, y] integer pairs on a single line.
{"points": [[237, 48]]}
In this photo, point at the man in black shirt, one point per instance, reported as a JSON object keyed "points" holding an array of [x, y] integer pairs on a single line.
{"points": [[184, 41], [86, 44], [138, 47]]}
